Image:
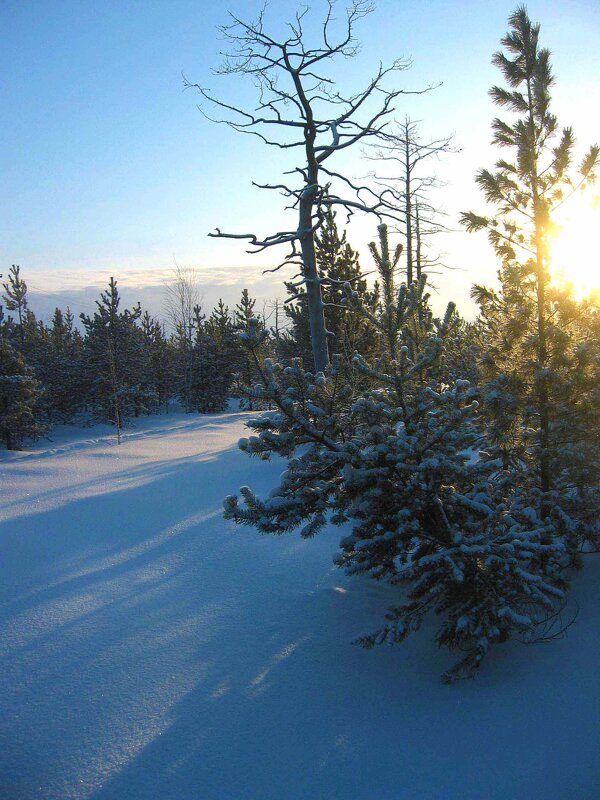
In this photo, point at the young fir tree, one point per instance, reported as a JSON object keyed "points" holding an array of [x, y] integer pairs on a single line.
{"points": [[15, 297], [396, 463], [525, 364], [21, 414]]}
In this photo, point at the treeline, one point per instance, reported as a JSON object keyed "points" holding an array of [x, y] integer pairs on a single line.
{"points": [[119, 363]]}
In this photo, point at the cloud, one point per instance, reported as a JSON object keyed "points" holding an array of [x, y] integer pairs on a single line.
{"points": [[59, 281], [80, 289]]}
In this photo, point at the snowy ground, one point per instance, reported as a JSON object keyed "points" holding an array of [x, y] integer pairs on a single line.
{"points": [[151, 651]]}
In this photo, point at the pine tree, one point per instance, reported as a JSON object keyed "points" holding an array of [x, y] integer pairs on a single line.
{"points": [[212, 370], [58, 363], [396, 463], [221, 327], [339, 267], [112, 363], [524, 341], [183, 342], [157, 357], [21, 415], [16, 297], [245, 320]]}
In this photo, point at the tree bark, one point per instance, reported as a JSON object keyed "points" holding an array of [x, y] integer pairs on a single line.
{"points": [[316, 317]]}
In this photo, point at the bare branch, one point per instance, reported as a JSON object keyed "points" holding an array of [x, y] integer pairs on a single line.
{"points": [[299, 107]]}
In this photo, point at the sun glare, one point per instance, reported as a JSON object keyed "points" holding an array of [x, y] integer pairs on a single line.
{"points": [[575, 247]]}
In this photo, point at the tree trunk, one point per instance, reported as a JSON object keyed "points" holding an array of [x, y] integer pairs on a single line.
{"points": [[543, 399], [539, 218], [418, 263], [408, 204], [316, 317]]}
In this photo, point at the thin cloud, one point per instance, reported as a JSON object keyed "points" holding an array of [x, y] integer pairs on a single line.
{"points": [[59, 281]]}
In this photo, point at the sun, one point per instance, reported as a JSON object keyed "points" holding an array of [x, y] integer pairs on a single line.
{"points": [[575, 244]]}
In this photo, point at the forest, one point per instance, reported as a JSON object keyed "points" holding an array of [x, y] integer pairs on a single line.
{"points": [[461, 456]]}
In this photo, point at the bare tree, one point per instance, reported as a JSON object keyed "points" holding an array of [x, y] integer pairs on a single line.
{"points": [[301, 108], [410, 184], [182, 297]]}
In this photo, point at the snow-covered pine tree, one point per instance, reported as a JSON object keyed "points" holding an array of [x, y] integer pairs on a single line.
{"points": [[532, 371], [244, 318], [397, 464], [462, 353], [15, 296], [574, 391], [58, 366], [21, 414], [159, 362], [212, 370], [112, 368]]}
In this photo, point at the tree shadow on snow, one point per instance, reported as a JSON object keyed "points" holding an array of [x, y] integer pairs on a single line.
{"points": [[150, 651]]}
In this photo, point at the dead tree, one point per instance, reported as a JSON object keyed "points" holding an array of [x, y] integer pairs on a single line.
{"points": [[299, 107], [409, 184], [182, 297]]}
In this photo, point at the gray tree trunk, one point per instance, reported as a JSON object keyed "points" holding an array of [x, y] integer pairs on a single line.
{"points": [[316, 317]]}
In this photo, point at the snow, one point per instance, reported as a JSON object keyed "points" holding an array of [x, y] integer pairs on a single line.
{"points": [[152, 651]]}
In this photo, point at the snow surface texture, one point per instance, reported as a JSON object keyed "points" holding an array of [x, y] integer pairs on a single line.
{"points": [[152, 651]]}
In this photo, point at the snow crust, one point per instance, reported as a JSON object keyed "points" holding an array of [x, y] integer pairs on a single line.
{"points": [[152, 651]]}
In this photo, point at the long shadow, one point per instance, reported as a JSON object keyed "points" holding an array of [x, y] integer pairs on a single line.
{"points": [[86, 583], [167, 656], [139, 429], [114, 478], [287, 708], [77, 554]]}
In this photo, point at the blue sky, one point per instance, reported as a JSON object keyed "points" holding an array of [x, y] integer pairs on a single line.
{"points": [[108, 167]]}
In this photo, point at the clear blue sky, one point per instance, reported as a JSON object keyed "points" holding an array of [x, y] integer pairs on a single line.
{"points": [[107, 164]]}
